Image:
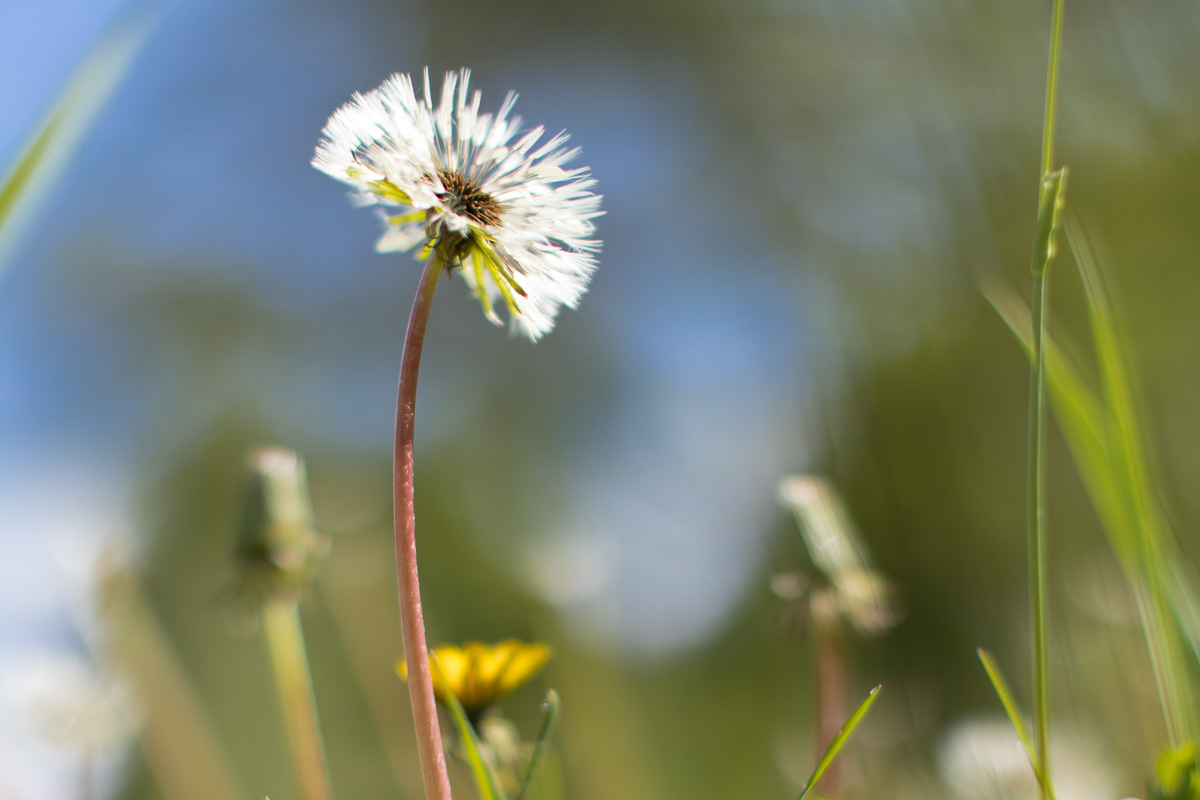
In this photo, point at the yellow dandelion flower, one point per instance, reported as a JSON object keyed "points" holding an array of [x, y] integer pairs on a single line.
{"points": [[480, 674]]}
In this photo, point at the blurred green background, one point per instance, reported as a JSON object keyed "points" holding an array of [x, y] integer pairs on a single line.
{"points": [[802, 201]]}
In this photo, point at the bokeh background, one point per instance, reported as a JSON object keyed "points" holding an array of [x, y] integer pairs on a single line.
{"points": [[803, 199]]}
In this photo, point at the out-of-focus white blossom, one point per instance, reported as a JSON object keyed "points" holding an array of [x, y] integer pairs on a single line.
{"points": [[983, 758]]}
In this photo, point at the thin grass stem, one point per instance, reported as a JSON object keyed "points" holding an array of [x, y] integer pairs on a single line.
{"points": [[1051, 89], [1037, 537], [289, 661], [416, 651], [550, 709], [1048, 199]]}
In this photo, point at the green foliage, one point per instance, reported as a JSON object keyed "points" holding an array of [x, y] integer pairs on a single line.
{"points": [[1152, 554], [1104, 435], [1176, 775], [45, 154]]}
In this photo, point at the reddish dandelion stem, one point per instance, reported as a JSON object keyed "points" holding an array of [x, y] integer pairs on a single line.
{"points": [[416, 651], [831, 668]]}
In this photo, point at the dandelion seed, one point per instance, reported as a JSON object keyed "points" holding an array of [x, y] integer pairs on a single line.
{"points": [[508, 213]]}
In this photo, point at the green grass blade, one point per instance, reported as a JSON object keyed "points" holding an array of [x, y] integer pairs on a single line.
{"points": [[838, 741], [1096, 449], [1084, 421], [550, 711], [46, 153], [1010, 708], [1185, 600], [1107, 449], [1125, 437], [485, 781], [1155, 550]]}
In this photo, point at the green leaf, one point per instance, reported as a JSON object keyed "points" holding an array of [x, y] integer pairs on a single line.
{"points": [[485, 781], [47, 151], [550, 711], [1010, 708], [1084, 420], [838, 741]]}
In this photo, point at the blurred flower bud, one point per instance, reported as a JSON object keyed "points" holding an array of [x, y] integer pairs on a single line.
{"points": [[279, 544], [859, 593]]}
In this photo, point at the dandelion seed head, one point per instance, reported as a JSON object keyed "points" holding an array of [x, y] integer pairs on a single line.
{"points": [[490, 199]]}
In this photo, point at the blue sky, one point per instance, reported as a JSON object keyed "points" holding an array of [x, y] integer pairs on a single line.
{"points": [[196, 175]]}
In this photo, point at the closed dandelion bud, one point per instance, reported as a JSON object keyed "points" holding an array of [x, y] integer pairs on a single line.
{"points": [[279, 545], [858, 592]]}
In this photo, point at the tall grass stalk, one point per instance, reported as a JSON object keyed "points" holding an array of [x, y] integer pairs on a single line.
{"points": [[1037, 536], [1048, 200], [1098, 441]]}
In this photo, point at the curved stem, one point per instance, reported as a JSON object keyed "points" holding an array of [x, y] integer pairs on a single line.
{"points": [[416, 652]]}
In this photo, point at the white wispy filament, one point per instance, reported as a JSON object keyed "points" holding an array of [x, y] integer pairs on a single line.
{"points": [[517, 222]]}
